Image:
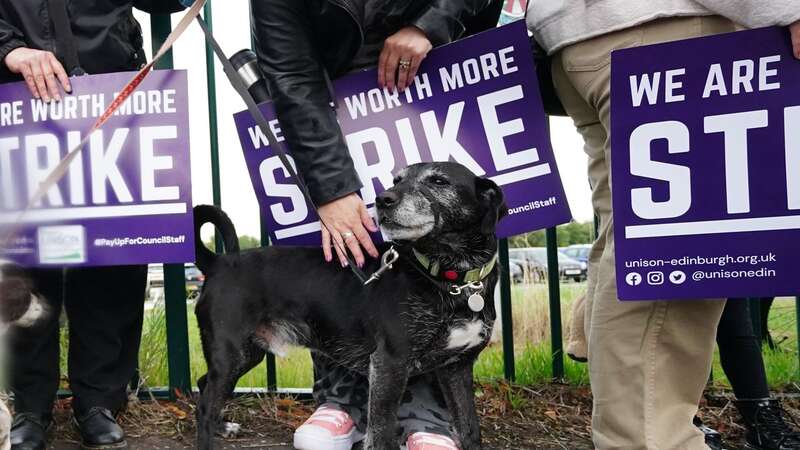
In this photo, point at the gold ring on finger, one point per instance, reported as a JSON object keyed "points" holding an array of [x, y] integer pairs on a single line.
{"points": [[405, 64]]}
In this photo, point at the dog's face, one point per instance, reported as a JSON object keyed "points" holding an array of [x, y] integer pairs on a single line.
{"points": [[429, 200], [19, 304]]}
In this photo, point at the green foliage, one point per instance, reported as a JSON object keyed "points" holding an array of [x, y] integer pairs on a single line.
{"points": [[568, 234], [782, 363], [533, 365], [153, 351], [248, 242], [531, 335], [575, 233], [245, 242], [532, 239], [782, 367]]}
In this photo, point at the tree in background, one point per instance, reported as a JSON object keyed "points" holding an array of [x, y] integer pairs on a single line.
{"points": [[245, 242], [569, 234]]}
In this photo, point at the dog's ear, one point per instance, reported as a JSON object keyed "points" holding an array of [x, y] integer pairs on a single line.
{"points": [[494, 207]]}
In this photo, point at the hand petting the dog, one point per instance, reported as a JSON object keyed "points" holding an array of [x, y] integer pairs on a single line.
{"points": [[401, 56], [795, 30], [348, 219]]}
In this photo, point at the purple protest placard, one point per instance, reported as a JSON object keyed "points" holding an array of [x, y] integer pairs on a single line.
{"points": [[706, 167], [475, 101], [126, 198]]}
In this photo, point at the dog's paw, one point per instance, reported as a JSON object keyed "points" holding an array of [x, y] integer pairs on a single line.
{"points": [[229, 430]]}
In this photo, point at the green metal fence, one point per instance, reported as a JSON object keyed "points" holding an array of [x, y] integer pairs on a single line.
{"points": [[175, 291]]}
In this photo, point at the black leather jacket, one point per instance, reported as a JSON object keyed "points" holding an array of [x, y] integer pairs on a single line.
{"points": [[107, 36], [298, 40]]}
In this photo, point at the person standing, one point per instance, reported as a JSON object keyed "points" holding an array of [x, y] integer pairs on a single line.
{"points": [[740, 356], [648, 361], [105, 306], [299, 44]]}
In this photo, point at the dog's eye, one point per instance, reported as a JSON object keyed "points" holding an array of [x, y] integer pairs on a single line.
{"points": [[397, 180], [439, 181]]}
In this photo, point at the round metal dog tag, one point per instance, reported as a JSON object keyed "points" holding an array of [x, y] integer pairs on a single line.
{"points": [[476, 302]]}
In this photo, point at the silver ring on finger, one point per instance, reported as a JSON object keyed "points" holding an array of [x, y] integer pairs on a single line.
{"points": [[347, 235], [404, 64]]}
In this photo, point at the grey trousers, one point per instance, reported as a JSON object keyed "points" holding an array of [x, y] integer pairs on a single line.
{"points": [[422, 409]]}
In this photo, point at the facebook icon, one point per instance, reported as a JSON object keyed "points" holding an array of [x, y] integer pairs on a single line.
{"points": [[633, 279]]}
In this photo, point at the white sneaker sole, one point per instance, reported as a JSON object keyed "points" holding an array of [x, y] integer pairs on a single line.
{"points": [[305, 440]]}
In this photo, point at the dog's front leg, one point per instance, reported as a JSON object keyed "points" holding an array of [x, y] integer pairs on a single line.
{"points": [[456, 383], [388, 375]]}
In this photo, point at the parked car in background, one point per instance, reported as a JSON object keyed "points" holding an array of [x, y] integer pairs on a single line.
{"points": [[568, 268], [155, 276], [533, 270], [580, 253], [194, 278], [516, 268]]}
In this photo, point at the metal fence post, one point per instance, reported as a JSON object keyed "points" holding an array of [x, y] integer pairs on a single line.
{"points": [[213, 132], [174, 274], [507, 322], [797, 324], [272, 371], [554, 290]]}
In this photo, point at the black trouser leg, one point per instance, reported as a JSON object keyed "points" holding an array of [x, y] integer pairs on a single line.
{"points": [[105, 307], [34, 351], [740, 352], [337, 385]]}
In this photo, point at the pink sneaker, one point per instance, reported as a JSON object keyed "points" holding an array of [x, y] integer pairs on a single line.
{"points": [[429, 441], [328, 428]]}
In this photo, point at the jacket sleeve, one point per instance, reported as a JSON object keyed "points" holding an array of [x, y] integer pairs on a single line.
{"points": [[756, 14], [10, 39], [160, 6], [294, 72], [444, 20]]}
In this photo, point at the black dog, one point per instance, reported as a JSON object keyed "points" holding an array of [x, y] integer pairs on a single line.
{"points": [[425, 314]]}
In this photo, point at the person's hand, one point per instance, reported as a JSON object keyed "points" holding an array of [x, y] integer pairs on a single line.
{"points": [[401, 56], [795, 30], [42, 72], [348, 220]]}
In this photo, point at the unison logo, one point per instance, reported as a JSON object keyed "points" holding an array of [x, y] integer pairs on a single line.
{"points": [[62, 244]]}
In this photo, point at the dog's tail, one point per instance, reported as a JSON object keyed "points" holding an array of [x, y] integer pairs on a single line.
{"points": [[204, 214]]}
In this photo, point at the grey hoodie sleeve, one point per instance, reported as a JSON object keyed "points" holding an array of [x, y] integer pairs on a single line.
{"points": [[756, 13]]}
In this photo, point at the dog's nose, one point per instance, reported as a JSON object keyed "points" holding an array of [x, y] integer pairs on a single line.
{"points": [[386, 199]]}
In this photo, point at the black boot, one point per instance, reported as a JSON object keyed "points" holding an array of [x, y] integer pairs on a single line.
{"points": [[766, 426], [99, 430], [29, 431], [713, 437]]}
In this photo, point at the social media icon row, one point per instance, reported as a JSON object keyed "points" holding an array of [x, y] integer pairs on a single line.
{"points": [[655, 278]]}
